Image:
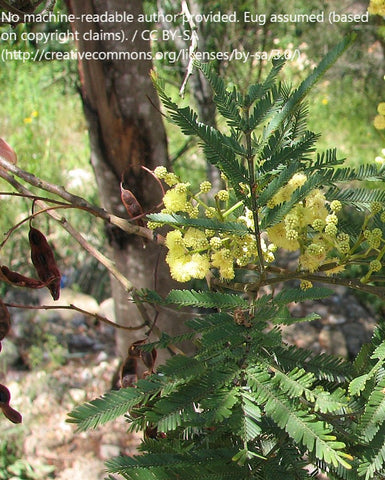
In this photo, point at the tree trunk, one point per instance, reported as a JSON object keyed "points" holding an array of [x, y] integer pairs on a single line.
{"points": [[126, 132]]}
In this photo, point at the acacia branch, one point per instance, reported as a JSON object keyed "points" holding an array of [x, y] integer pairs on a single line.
{"points": [[75, 200], [285, 275], [77, 309], [127, 285]]}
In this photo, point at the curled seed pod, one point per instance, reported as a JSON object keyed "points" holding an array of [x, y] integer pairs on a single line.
{"points": [[44, 262], [131, 205], [7, 152], [134, 349], [5, 320], [149, 359], [5, 395], [13, 415], [19, 280]]}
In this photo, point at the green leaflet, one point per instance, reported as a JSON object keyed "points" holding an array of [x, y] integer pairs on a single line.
{"points": [[374, 415], [215, 300], [301, 425], [290, 295], [192, 298], [209, 464], [307, 84], [104, 409], [373, 456], [359, 383], [203, 223]]}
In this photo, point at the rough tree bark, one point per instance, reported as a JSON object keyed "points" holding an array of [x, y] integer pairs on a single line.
{"points": [[126, 131]]}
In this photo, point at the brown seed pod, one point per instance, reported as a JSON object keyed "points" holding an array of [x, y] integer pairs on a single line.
{"points": [[5, 321], [44, 262], [132, 205], [149, 359], [7, 152], [13, 415], [5, 395], [19, 280]]}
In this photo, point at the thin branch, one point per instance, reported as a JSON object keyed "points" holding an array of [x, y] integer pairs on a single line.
{"points": [[12, 9], [77, 309], [75, 201], [193, 47], [127, 285], [286, 275], [27, 219]]}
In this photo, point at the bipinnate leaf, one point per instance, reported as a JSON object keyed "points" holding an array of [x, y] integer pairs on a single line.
{"points": [[105, 408]]}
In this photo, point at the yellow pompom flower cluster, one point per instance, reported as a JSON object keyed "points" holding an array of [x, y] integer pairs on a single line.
{"points": [[192, 252], [310, 227], [377, 7], [379, 120]]}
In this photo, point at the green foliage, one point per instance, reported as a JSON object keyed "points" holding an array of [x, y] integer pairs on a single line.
{"points": [[12, 467], [247, 405]]}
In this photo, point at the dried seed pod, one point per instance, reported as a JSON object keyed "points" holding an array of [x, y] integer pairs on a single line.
{"points": [[19, 280], [131, 205], [5, 320], [134, 349], [5, 396], [7, 152], [13, 415], [128, 372], [149, 359], [44, 262]]}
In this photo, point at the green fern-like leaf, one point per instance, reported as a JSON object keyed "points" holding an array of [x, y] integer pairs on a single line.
{"points": [[225, 101], [251, 418], [326, 159], [358, 384], [203, 223], [373, 456], [211, 464], [221, 301], [302, 426], [256, 91], [307, 84], [290, 295], [281, 179], [216, 145], [104, 409], [360, 197], [374, 415], [296, 382], [325, 367]]}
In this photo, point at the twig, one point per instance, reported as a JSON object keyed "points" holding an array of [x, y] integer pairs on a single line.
{"points": [[313, 277], [193, 47], [12, 9], [127, 285], [77, 309], [75, 201], [27, 219]]}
